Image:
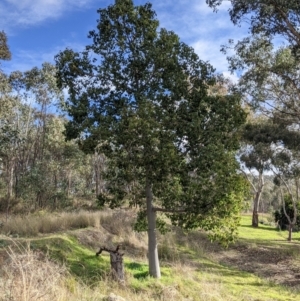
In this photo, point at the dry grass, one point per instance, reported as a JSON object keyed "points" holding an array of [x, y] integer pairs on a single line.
{"points": [[29, 276], [188, 273], [44, 222], [117, 222]]}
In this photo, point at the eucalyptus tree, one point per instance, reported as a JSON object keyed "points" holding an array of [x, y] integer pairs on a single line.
{"points": [[139, 95], [9, 138], [270, 75], [270, 71], [271, 18], [24, 98], [40, 85], [270, 79], [287, 170], [256, 155], [275, 147]]}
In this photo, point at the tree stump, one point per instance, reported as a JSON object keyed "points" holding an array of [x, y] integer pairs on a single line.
{"points": [[116, 262]]}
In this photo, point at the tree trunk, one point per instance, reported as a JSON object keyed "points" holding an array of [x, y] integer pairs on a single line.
{"points": [[39, 200], [116, 263], [255, 210], [294, 220], [97, 176], [69, 183], [10, 184], [55, 187], [290, 232], [10, 178], [257, 199], [154, 269]]}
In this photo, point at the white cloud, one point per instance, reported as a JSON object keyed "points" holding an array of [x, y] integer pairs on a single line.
{"points": [[209, 50], [194, 22], [232, 76], [28, 12], [199, 26]]}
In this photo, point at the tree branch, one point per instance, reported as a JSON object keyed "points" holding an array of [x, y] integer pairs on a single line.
{"points": [[169, 210], [109, 250], [283, 206], [253, 186]]}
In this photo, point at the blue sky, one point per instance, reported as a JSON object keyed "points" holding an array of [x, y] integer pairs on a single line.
{"points": [[37, 30]]}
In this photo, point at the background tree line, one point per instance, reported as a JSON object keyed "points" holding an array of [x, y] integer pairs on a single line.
{"points": [[151, 125], [38, 167], [269, 61]]}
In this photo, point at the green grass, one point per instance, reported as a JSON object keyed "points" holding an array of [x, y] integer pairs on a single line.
{"points": [[268, 237], [188, 273], [263, 233], [81, 261]]}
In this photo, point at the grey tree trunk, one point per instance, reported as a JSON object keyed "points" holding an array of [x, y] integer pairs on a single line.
{"points": [[154, 268], [256, 199], [293, 221], [97, 173], [255, 210]]}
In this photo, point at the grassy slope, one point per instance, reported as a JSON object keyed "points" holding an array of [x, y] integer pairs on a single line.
{"points": [[187, 272]]}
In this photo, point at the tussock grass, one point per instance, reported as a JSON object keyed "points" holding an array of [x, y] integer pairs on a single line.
{"points": [[189, 273], [45, 222], [118, 223], [30, 276]]}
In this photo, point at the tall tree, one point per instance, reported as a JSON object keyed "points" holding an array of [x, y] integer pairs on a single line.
{"points": [[256, 154], [270, 73], [270, 18], [270, 79], [287, 170], [140, 96]]}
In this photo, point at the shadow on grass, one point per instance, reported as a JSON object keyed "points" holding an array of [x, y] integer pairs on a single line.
{"points": [[138, 270], [268, 228], [232, 276], [220, 270]]}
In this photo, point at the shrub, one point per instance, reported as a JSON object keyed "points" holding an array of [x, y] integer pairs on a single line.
{"points": [[280, 217]]}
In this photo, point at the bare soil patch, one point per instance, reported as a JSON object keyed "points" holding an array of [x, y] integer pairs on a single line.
{"points": [[273, 264]]}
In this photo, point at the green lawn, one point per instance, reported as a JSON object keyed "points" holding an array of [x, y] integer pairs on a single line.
{"points": [[264, 234]]}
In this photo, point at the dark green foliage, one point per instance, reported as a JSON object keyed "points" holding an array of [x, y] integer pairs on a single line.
{"points": [[140, 95], [4, 49], [281, 218]]}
